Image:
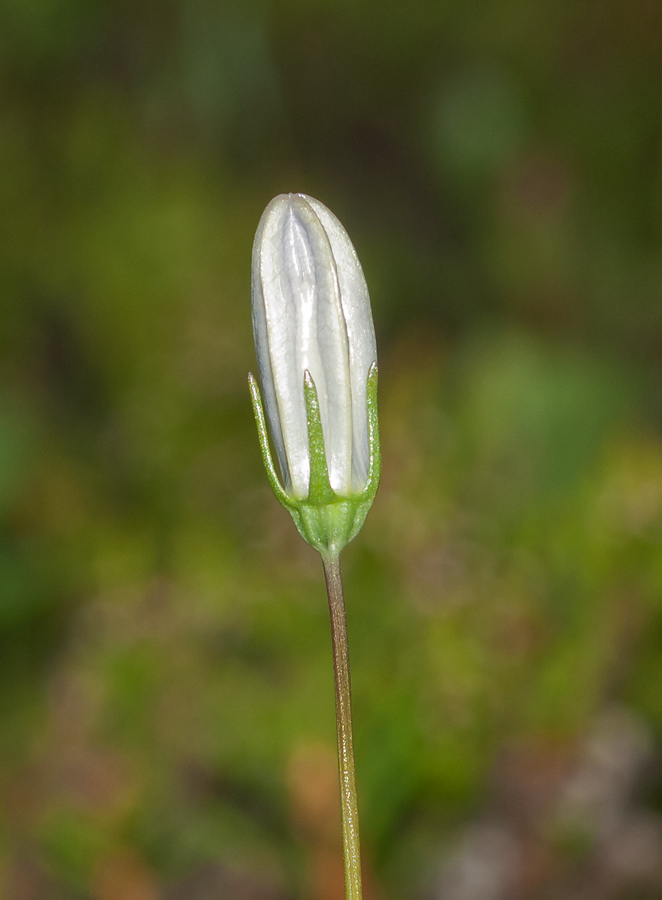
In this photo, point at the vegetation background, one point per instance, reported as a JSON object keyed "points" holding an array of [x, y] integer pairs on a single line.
{"points": [[166, 700]]}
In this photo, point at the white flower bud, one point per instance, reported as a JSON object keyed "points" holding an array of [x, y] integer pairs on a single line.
{"points": [[311, 312]]}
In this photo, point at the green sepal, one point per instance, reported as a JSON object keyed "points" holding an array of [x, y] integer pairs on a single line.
{"points": [[320, 491], [326, 520], [261, 422]]}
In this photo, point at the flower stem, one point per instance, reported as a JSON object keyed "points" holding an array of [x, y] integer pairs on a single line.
{"points": [[348, 795]]}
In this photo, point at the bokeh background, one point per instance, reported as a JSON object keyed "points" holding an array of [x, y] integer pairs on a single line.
{"points": [[166, 700]]}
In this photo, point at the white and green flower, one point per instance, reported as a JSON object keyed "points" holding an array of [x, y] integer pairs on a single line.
{"points": [[317, 357]]}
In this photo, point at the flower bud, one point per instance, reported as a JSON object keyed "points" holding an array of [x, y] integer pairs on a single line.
{"points": [[316, 349]]}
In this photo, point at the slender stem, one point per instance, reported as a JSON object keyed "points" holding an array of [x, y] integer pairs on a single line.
{"points": [[348, 795]]}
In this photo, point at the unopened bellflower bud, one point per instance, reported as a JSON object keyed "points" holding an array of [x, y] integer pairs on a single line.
{"points": [[317, 356]]}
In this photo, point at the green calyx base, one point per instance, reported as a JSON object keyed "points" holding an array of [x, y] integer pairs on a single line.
{"points": [[326, 520]]}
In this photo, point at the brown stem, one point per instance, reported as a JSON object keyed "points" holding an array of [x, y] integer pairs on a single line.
{"points": [[348, 795]]}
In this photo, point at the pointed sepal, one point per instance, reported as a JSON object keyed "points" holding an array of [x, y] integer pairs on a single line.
{"points": [[320, 491], [260, 421]]}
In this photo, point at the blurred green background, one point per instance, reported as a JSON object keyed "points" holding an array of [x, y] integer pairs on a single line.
{"points": [[166, 693]]}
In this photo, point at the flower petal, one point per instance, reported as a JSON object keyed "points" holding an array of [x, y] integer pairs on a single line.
{"points": [[357, 314]]}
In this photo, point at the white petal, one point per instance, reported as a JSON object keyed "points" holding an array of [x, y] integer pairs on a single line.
{"points": [[262, 349], [323, 341], [281, 310], [360, 333]]}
